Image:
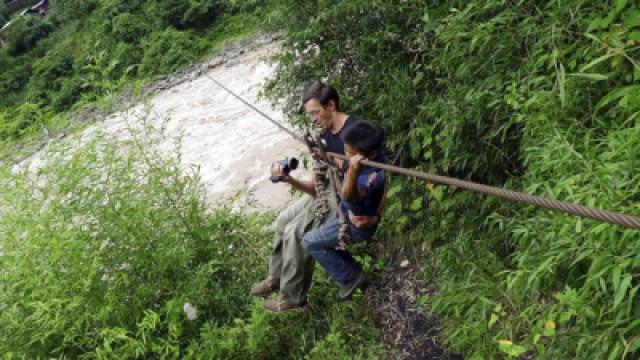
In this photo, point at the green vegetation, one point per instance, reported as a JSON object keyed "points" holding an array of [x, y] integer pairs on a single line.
{"points": [[4, 16], [537, 96], [83, 51], [105, 254]]}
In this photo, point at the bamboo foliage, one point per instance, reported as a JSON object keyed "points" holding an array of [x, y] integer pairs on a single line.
{"points": [[537, 96]]}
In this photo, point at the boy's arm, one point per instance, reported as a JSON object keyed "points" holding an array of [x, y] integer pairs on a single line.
{"points": [[383, 201], [365, 221], [349, 184]]}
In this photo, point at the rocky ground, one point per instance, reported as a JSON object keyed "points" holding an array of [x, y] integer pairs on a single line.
{"points": [[408, 330]]}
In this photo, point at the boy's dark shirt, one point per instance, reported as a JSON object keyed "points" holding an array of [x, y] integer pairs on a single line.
{"points": [[370, 191]]}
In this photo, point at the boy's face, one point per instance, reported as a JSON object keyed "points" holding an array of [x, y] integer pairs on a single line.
{"points": [[350, 151], [320, 116]]}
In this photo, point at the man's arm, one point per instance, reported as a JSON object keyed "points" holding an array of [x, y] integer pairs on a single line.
{"points": [[307, 186]]}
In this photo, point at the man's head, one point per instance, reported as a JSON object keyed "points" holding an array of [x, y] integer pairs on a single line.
{"points": [[363, 138], [321, 103]]}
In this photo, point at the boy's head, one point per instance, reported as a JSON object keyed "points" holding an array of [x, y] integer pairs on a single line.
{"points": [[363, 138], [320, 102]]}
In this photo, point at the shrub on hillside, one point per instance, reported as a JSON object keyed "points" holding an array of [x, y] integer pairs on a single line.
{"points": [[167, 51], [109, 251], [184, 14], [538, 96], [102, 257], [128, 27], [4, 15], [24, 33]]}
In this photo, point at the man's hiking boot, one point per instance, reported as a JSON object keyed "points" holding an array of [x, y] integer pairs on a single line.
{"points": [[347, 290], [265, 287], [280, 305]]}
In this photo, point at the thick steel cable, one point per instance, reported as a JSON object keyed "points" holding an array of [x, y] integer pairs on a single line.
{"points": [[569, 208], [629, 221], [280, 126]]}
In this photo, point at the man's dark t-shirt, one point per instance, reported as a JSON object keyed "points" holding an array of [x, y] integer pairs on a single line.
{"points": [[333, 141]]}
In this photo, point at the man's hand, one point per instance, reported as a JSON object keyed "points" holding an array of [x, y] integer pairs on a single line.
{"points": [[362, 221], [277, 170]]}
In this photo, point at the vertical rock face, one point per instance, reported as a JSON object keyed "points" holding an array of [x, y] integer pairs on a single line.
{"points": [[231, 144]]}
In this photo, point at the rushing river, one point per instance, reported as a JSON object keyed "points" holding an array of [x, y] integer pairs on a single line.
{"points": [[231, 144]]}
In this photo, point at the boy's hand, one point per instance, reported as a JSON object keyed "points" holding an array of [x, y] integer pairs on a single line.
{"points": [[315, 153], [354, 162], [362, 221]]}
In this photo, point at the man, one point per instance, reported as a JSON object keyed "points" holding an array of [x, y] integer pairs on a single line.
{"points": [[290, 266]]}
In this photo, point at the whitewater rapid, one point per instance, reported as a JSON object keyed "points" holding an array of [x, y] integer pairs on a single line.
{"points": [[231, 144]]}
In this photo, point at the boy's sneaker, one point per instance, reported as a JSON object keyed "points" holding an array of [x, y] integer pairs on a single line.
{"points": [[280, 305], [347, 290], [265, 287]]}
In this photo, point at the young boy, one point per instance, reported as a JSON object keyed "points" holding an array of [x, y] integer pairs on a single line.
{"points": [[362, 193]]}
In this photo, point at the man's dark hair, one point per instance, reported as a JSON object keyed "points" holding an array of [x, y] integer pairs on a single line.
{"points": [[322, 92], [364, 136]]}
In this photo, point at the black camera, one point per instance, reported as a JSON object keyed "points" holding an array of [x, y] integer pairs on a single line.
{"points": [[288, 165]]}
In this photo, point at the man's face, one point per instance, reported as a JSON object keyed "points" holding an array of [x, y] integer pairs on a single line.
{"points": [[321, 116]]}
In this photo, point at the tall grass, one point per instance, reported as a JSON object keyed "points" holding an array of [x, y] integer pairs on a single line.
{"points": [[109, 251], [537, 96]]}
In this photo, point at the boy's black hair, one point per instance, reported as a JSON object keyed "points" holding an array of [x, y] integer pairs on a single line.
{"points": [[364, 136], [322, 92]]}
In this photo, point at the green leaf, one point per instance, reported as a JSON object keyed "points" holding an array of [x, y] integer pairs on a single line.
{"points": [[631, 19], [549, 328], [416, 204], [634, 35], [418, 78], [615, 277], [437, 193], [493, 320], [597, 61], [617, 94], [394, 190], [562, 83], [590, 76], [620, 5], [595, 24], [624, 285], [510, 348]]}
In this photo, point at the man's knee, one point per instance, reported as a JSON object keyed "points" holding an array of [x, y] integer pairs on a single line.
{"points": [[281, 222]]}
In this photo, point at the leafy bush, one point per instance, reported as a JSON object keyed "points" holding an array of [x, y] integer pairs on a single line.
{"points": [[13, 77], [110, 251], [24, 33], [4, 14], [184, 14], [65, 11], [167, 51], [129, 27], [119, 33], [21, 121], [536, 96]]}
